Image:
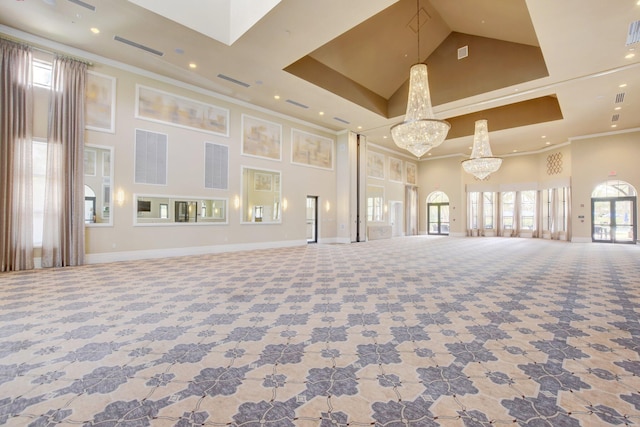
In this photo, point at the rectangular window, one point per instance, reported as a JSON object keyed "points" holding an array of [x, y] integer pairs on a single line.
{"points": [[488, 209], [151, 158], [41, 73], [375, 203], [39, 177], [562, 209], [473, 210], [527, 210], [508, 204], [216, 166]]}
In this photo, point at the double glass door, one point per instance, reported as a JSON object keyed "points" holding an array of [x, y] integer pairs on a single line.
{"points": [[438, 218], [613, 219]]}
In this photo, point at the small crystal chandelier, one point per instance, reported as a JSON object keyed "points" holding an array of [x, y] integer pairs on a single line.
{"points": [[420, 131], [481, 163]]}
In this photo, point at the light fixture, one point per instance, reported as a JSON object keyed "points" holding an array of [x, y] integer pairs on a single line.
{"points": [[420, 131], [481, 163]]}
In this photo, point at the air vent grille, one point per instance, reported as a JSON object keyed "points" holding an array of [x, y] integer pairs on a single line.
{"points": [[138, 45], [296, 103], [620, 98], [463, 52], [346, 122], [634, 33], [232, 80], [83, 4]]}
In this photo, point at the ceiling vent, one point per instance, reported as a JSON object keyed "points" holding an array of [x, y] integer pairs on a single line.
{"points": [[620, 98], [341, 120], [138, 45], [463, 52], [615, 117], [232, 80], [83, 4], [297, 104], [634, 33]]}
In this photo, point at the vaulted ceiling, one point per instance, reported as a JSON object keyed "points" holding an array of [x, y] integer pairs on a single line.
{"points": [[540, 71]]}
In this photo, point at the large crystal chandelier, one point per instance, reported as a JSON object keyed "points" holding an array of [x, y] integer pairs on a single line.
{"points": [[481, 163], [420, 131]]}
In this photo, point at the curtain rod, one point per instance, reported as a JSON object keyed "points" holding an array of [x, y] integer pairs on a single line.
{"points": [[40, 49]]}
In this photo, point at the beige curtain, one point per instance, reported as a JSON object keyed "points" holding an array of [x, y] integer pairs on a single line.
{"points": [[63, 228], [411, 212], [16, 193]]}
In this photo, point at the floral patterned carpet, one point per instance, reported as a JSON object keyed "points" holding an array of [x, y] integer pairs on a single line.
{"points": [[415, 331]]}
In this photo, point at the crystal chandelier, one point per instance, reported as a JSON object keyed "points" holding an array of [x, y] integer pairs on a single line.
{"points": [[420, 131], [481, 163]]}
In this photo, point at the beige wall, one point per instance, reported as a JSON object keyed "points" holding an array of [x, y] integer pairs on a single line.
{"points": [[186, 178], [594, 161]]}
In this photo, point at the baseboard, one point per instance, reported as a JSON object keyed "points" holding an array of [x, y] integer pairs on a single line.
{"points": [[107, 257]]}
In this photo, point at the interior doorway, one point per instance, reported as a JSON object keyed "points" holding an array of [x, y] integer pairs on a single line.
{"points": [[312, 219]]}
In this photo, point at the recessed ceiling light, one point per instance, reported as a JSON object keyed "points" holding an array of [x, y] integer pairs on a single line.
{"points": [[470, 148], [629, 55], [618, 108], [276, 97], [623, 85], [321, 113], [95, 30], [614, 126], [544, 136], [359, 127], [193, 65], [384, 137], [548, 143], [515, 151], [429, 154]]}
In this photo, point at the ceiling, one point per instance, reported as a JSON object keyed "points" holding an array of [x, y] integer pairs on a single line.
{"points": [[541, 71]]}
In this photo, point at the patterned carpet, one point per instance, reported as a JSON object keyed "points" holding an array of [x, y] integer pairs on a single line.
{"points": [[416, 331]]}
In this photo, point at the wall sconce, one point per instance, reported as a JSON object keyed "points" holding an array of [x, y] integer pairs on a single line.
{"points": [[120, 197], [284, 204], [327, 206], [236, 202]]}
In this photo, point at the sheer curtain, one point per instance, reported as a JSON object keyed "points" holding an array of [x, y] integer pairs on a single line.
{"points": [[63, 228], [16, 194], [411, 206]]}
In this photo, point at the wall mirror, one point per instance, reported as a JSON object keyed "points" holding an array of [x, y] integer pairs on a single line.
{"points": [[98, 173], [261, 196], [152, 209]]}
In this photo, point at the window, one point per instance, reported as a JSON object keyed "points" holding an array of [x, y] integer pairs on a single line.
{"points": [[527, 209], [508, 204], [562, 209], [41, 74], [39, 177], [473, 210], [375, 203], [488, 210]]}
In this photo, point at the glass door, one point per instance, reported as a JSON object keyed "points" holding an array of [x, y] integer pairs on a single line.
{"points": [[612, 220], [438, 218]]}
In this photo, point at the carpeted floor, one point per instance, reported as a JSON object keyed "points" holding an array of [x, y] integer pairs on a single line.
{"points": [[416, 331]]}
